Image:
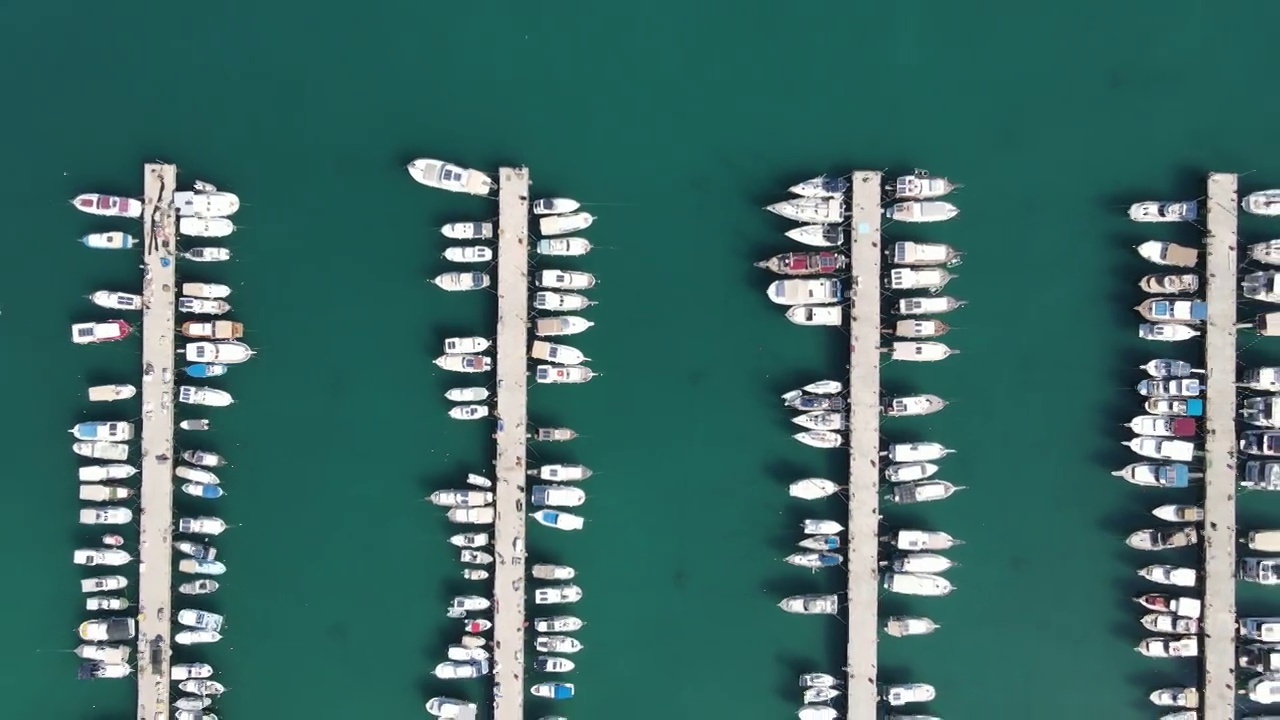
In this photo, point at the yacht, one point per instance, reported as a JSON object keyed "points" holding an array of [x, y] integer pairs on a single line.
{"points": [[797, 400], [204, 458], [1266, 252], [560, 325], [113, 300], [1171, 310], [457, 281], [817, 235], [96, 669], [563, 247], [465, 363], [107, 205], [552, 690], [905, 693], [819, 387], [560, 301], [563, 374], [453, 670], [226, 352], [101, 450], [556, 496], [111, 557], [212, 330], [1263, 629], [1261, 411], [550, 225], [447, 707], [1167, 368], [558, 520], [551, 352], [471, 515], [565, 280], [206, 370], [917, 452], [1163, 426], [917, 584], [919, 329], [1166, 332], [907, 625], [811, 604], [105, 493], [1260, 442], [922, 491], [823, 186], [109, 331], [557, 644], [204, 586], [1170, 624], [202, 687], [109, 515], [187, 671], [1170, 647], [914, 405], [468, 254], [214, 203], [467, 230], [916, 254], [1263, 202], [206, 396], [1263, 286], [820, 420], [554, 206], [928, 305], [561, 472], [820, 527], [208, 291], [806, 292], [109, 241], [207, 227], [111, 393], [470, 540], [193, 705], [1261, 658], [461, 498], [800, 264], [203, 525], [1178, 283], [552, 664], [820, 542], [200, 619], [816, 315], [920, 351], [469, 412], [1265, 689], [557, 624], [547, 571], [479, 481], [111, 471], [824, 439], [108, 630], [917, 211], [194, 549], [476, 625], [919, 562], [1171, 387], [1154, 211], [910, 471], [1186, 607], [445, 176], [200, 306], [1261, 476], [101, 430], [920, 185], [929, 278], [814, 560], [812, 488], [1183, 407], [1179, 513], [557, 595], [922, 540], [1170, 575], [1163, 538], [810, 210], [1263, 571], [1167, 253]]}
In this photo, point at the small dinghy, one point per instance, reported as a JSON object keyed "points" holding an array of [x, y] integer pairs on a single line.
{"points": [[908, 625], [1179, 513], [1167, 253], [913, 405], [931, 279], [200, 306], [201, 490], [929, 305], [211, 291], [458, 281], [470, 540], [111, 393], [560, 325], [467, 230], [917, 452], [547, 571], [112, 300], [920, 351], [1155, 211], [816, 315], [467, 394], [204, 458], [194, 424], [824, 439], [1167, 368], [1163, 426], [812, 488], [823, 186], [922, 491], [1161, 647], [820, 542], [820, 420], [809, 210], [468, 254], [814, 560], [207, 254], [919, 562], [800, 264], [560, 301], [565, 280], [820, 527], [554, 206], [198, 587], [550, 225], [469, 412], [563, 247], [475, 557], [921, 540], [558, 519], [817, 235], [1170, 575], [921, 584], [1174, 284], [465, 363], [1163, 538], [910, 472]]}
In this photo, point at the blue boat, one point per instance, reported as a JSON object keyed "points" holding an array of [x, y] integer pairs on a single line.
{"points": [[202, 490], [1163, 310], [205, 370], [821, 542], [553, 690], [1162, 475]]}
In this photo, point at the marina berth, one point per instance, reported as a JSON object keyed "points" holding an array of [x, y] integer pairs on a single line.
{"points": [[465, 363], [922, 491], [805, 263], [212, 329], [107, 205], [1167, 332], [111, 393], [928, 305], [1170, 310], [563, 374], [468, 254], [562, 354], [445, 176], [1263, 286], [920, 328], [471, 515], [215, 203], [1263, 202], [560, 325], [822, 186], [1170, 575], [1174, 284], [565, 280], [89, 333], [910, 471], [1266, 252], [558, 520], [920, 351], [810, 210], [560, 301], [112, 300], [931, 279], [206, 227], [812, 488], [806, 292], [914, 405], [108, 241], [917, 254], [907, 625], [816, 315], [1170, 624], [457, 281], [817, 235], [563, 247], [921, 540], [1167, 253], [550, 225], [1161, 475], [101, 450], [917, 211], [467, 230], [1153, 211], [824, 439], [1170, 647], [209, 291], [557, 595], [811, 604], [1175, 513], [1164, 538], [920, 185]]}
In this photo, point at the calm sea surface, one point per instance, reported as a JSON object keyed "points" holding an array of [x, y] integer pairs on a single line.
{"points": [[675, 122]]}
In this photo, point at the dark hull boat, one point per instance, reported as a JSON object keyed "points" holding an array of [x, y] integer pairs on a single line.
{"points": [[805, 263]]}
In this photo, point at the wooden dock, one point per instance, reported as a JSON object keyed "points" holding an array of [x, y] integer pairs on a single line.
{"points": [[1218, 654], [861, 689], [155, 548], [512, 443]]}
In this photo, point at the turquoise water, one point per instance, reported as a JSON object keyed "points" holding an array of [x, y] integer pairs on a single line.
{"points": [[675, 124]]}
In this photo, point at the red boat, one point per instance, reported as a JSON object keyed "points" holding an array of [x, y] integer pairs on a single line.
{"points": [[805, 263], [1184, 427], [108, 205]]}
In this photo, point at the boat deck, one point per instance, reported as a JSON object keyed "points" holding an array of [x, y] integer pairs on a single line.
{"points": [[512, 443], [155, 546], [861, 688], [1219, 622]]}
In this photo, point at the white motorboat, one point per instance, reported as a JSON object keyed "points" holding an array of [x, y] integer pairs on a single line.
{"points": [[908, 625], [204, 458], [447, 707], [465, 363], [806, 291], [823, 186], [209, 397], [1169, 283], [113, 300], [818, 680], [105, 603], [1162, 426], [817, 235], [557, 624], [453, 670], [1167, 253], [928, 305], [91, 333], [1179, 513], [470, 540], [446, 176], [92, 492], [1262, 286], [814, 696], [557, 595], [549, 225], [820, 542], [479, 481], [923, 584], [1263, 202], [816, 315], [467, 394], [475, 557], [557, 644], [554, 206], [111, 471], [560, 325], [194, 549], [1167, 647], [200, 619], [110, 393], [107, 205], [461, 498], [563, 247], [192, 705], [1154, 211], [1266, 252], [917, 211], [562, 354], [204, 525], [1263, 571], [457, 281], [101, 450], [103, 583], [190, 671], [207, 227], [917, 452], [104, 431], [824, 439], [920, 351], [203, 586], [811, 604], [820, 420], [111, 557], [467, 230], [563, 374], [1170, 624], [192, 566], [547, 571], [920, 562], [821, 387], [105, 515], [201, 306], [209, 291], [915, 254], [1170, 575], [922, 540], [820, 527], [1261, 378], [555, 496], [223, 352], [929, 278], [922, 491], [202, 687], [1183, 697], [108, 630], [470, 603], [914, 405], [552, 664], [810, 210], [814, 559], [817, 712], [920, 185], [1163, 538], [215, 203], [560, 301], [561, 472], [468, 254], [471, 515], [812, 488], [565, 280], [469, 412], [910, 471], [905, 693], [109, 241], [558, 519], [1163, 448]]}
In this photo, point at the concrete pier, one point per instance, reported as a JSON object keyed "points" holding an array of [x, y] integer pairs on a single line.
{"points": [[1219, 621], [155, 548], [861, 688], [512, 443]]}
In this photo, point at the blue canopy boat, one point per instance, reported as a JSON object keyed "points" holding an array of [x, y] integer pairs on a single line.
{"points": [[205, 370], [1186, 407], [553, 690], [202, 490]]}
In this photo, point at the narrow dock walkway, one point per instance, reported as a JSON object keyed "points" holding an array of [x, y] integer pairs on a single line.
{"points": [[155, 548], [861, 688], [512, 443], [1219, 622]]}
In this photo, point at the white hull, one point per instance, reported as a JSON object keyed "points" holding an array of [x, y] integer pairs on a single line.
{"points": [[816, 315], [445, 176], [563, 247], [815, 211], [554, 206], [910, 472], [564, 224], [820, 420], [817, 235], [926, 211], [812, 488], [467, 230], [1265, 203], [561, 325], [469, 254], [917, 452], [462, 281], [819, 439], [205, 227], [112, 300], [110, 393], [560, 301], [217, 204], [467, 394]]}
